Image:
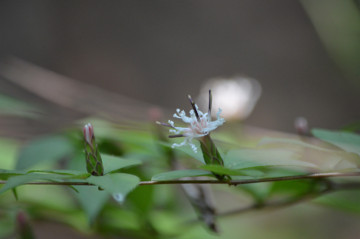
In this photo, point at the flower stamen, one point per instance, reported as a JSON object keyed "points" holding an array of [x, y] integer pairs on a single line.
{"points": [[165, 124], [194, 106], [176, 136], [210, 105]]}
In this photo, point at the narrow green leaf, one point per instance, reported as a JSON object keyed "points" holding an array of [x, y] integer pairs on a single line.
{"points": [[324, 157], [270, 141], [15, 181], [114, 163], [117, 184], [343, 200], [283, 172], [180, 174], [347, 141], [5, 174], [219, 169], [14, 191], [58, 171], [45, 149], [73, 188], [68, 174]]}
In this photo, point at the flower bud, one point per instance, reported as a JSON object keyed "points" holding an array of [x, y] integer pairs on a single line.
{"points": [[301, 126], [211, 155], [88, 133], [94, 163], [23, 226]]}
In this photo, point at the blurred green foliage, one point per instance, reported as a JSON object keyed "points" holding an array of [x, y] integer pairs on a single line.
{"points": [[116, 204]]}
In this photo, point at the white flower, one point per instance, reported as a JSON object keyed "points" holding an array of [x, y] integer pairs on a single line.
{"points": [[200, 124]]}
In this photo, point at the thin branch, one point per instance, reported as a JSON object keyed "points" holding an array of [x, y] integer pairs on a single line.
{"points": [[213, 181], [249, 181], [331, 187]]}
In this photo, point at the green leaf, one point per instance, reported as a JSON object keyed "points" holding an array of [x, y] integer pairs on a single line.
{"points": [[219, 169], [283, 172], [251, 158], [294, 188], [325, 157], [15, 181], [343, 200], [58, 171], [71, 174], [92, 200], [9, 150], [140, 206], [347, 141], [258, 191], [110, 146], [45, 149], [134, 140], [117, 184], [187, 151], [352, 127], [14, 191], [114, 163], [5, 174], [270, 141], [180, 174]]}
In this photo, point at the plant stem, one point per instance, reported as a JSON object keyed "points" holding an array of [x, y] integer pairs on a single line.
{"points": [[213, 181], [332, 187], [249, 181]]}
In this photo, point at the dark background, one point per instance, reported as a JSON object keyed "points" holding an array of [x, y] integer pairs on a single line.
{"points": [[159, 51]]}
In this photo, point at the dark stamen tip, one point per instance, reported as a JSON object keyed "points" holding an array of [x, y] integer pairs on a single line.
{"points": [[210, 103], [165, 124], [176, 135], [194, 107]]}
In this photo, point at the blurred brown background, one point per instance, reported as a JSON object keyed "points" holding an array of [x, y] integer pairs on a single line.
{"points": [[159, 51]]}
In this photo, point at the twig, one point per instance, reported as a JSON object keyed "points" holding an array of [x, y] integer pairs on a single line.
{"points": [[331, 187], [249, 181], [213, 181]]}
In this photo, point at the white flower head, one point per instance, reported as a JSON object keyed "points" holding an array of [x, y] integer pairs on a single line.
{"points": [[200, 124]]}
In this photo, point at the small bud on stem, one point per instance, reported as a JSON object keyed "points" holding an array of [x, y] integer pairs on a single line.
{"points": [[94, 163], [301, 126], [89, 133], [23, 226]]}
